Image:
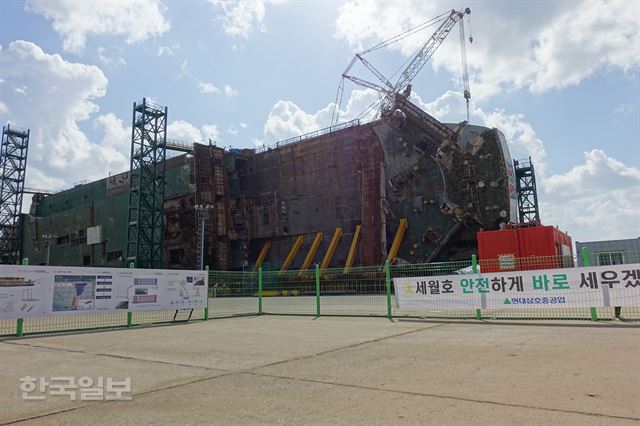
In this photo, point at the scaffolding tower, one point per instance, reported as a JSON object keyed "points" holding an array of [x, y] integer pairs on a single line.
{"points": [[147, 184], [527, 193], [13, 164]]}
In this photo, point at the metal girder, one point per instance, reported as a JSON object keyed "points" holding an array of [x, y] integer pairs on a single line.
{"points": [[528, 210], [312, 252], [352, 251], [367, 84], [262, 255], [375, 72], [423, 55], [331, 249], [147, 184], [397, 240], [292, 253], [13, 164]]}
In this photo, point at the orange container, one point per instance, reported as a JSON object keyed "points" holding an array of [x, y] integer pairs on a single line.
{"points": [[523, 247]]}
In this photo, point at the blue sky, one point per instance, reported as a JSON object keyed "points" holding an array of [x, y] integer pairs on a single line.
{"points": [[560, 79]]}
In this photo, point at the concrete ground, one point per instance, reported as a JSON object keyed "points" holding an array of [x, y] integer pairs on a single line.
{"points": [[301, 370]]}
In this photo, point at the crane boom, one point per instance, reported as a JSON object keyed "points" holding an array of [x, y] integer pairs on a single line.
{"points": [[425, 53], [365, 83], [375, 72], [387, 90]]}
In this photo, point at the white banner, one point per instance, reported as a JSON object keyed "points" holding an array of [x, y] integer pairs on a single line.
{"points": [[615, 285], [34, 291]]}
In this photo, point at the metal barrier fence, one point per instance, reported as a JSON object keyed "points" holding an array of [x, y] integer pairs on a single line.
{"points": [[359, 291], [368, 291]]}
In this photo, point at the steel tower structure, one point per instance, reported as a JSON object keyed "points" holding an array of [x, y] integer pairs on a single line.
{"points": [[147, 184], [13, 164], [527, 192]]}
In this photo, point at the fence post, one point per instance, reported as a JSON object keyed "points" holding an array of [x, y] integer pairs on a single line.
{"points": [[586, 261], [474, 269], [586, 258], [317, 290], [260, 290], [25, 261], [387, 279], [129, 313], [19, 324], [206, 306]]}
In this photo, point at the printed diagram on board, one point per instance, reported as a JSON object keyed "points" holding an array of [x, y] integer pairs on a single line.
{"points": [[17, 294], [144, 293], [35, 291], [74, 293], [187, 292]]}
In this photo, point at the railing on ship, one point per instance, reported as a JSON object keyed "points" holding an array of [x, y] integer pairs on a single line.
{"points": [[310, 135]]}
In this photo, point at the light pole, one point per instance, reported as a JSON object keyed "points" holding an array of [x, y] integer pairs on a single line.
{"points": [[48, 240], [202, 214]]}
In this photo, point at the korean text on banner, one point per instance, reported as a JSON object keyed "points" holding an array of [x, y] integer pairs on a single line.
{"points": [[601, 286]]}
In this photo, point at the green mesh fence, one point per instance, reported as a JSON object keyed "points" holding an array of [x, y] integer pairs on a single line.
{"points": [[233, 293], [290, 292], [359, 291], [8, 327], [76, 322]]}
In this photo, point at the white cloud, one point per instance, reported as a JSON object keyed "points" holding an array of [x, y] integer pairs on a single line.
{"points": [[3, 108], [230, 91], [167, 50], [210, 131], [61, 95], [232, 130], [76, 20], [623, 109], [515, 47], [205, 87], [107, 60], [599, 173], [240, 18], [287, 120], [600, 198], [116, 134], [208, 88], [183, 131], [243, 125]]}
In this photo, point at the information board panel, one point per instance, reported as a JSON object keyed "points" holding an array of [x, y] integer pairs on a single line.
{"points": [[34, 291], [600, 286]]}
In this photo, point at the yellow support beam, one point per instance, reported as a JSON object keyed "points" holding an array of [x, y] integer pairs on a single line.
{"points": [[331, 249], [312, 252], [262, 255], [397, 240], [292, 253], [352, 251]]}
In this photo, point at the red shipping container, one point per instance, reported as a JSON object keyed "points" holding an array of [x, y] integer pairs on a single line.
{"points": [[524, 247]]}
